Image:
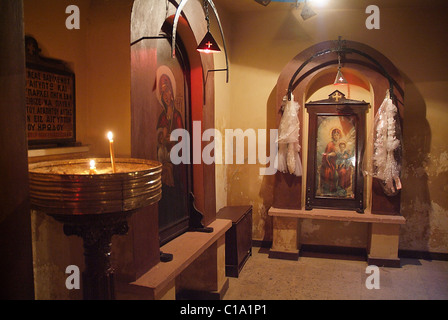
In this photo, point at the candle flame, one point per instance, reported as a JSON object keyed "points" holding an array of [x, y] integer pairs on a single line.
{"points": [[110, 135], [92, 164]]}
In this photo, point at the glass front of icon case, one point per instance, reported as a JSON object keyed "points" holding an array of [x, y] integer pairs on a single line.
{"points": [[336, 141]]}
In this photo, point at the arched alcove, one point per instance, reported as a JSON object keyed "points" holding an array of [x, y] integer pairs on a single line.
{"points": [[357, 88], [308, 76], [320, 72]]}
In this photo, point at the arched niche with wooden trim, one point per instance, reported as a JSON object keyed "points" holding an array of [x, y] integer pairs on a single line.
{"points": [[316, 72]]}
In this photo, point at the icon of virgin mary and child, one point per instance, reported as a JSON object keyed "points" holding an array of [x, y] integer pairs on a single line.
{"points": [[336, 168], [169, 119]]}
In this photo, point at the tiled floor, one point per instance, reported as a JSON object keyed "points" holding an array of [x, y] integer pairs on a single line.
{"points": [[333, 279]]}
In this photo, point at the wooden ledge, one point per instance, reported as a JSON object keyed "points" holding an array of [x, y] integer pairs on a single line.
{"points": [[56, 151], [336, 215], [185, 249]]}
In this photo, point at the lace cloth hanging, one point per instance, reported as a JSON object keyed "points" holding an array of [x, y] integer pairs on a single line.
{"points": [[288, 157], [387, 147]]}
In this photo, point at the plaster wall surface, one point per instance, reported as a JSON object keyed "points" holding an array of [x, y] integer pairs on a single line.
{"points": [[264, 39]]}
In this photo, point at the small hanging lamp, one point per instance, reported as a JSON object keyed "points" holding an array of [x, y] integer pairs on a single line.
{"points": [[263, 2], [208, 43], [340, 79]]}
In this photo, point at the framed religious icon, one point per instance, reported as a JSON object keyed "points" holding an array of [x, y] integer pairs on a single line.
{"points": [[171, 112], [335, 151]]}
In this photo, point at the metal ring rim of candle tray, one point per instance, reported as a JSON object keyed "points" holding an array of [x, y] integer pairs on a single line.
{"points": [[83, 193]]}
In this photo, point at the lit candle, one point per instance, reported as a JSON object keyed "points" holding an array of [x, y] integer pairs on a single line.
{"points": [[110, 136], [92, 167]]}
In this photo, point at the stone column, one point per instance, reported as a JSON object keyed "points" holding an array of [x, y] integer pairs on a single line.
{"points": [[285, 242], [205, 278], [383, 245]]}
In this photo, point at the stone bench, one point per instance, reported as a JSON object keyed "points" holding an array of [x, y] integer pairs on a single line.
{"points": [[197, 270], [383, 241]]}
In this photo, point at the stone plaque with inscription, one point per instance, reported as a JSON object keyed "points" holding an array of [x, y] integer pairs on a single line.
{"points": [[50, 99]]}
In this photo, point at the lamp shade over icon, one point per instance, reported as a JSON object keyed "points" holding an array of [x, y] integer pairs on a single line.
{"points": [[208, 44], [340, 79], [263, 2]]}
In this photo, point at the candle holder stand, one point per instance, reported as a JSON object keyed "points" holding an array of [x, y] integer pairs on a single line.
{"points": [[95, 208]]}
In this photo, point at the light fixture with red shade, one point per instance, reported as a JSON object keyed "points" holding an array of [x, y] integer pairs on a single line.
{"points": [[340, 79], [208, 43]]}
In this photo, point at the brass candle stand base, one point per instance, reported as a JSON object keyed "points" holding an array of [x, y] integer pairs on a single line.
{"points": [[95, 207]]}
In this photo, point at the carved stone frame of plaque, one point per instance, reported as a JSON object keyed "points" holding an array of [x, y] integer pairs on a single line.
{"points": [[337, 133], [50, 99]]}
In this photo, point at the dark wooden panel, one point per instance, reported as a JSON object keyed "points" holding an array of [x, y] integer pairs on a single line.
{"points": [[16, 267], [287, 191], [238, 238], [382, 204]]}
